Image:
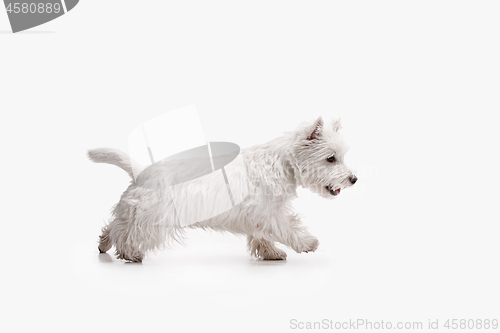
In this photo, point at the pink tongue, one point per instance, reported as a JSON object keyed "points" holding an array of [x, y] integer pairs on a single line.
{"points": [[337, 191]]}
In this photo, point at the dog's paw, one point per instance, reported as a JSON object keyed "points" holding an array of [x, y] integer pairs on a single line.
{"points": [[130, 257], [309, 245], [275, 254], [313, 246]]}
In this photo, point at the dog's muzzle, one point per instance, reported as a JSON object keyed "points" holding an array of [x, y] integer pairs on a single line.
{"points": [[332, 191]]}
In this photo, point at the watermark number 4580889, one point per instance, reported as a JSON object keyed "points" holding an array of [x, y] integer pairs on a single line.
{"points": [[26, 14]]}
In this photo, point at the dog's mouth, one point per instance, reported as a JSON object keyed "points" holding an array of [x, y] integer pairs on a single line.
{"points": [[332, 191]]}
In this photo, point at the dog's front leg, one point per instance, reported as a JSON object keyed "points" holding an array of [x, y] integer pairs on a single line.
{"points": [[301, 241], [289, 231]]}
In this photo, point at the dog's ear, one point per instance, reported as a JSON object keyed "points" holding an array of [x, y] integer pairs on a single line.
{"points": [[336, 125], [316, 129]]}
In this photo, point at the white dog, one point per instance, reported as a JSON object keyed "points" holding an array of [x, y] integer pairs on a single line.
{"points": [[146, 218]]}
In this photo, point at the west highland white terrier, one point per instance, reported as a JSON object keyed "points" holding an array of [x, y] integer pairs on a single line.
{"points": [[149, 216]]}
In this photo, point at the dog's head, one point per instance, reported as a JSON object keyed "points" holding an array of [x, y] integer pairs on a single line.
{"points": [[319, 158]]}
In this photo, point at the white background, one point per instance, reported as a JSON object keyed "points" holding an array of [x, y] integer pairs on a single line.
{"points": [[415, 83]]}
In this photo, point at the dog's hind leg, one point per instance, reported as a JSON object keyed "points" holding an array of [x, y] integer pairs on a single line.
{"points": [[128, 252], [105, 242], [264, 249], [128, 243]]}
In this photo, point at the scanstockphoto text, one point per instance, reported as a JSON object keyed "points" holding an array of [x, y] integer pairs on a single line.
{"points": [[363, 172], [367, 324], [271, 191]]}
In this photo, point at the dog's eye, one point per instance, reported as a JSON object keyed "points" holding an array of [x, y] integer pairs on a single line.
{"points": [[331, 159]]}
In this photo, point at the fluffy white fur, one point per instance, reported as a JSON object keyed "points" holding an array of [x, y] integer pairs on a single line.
{"points": [[145, 218]]}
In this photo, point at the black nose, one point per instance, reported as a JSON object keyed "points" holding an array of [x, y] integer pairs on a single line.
{"points": [[353, 179]]}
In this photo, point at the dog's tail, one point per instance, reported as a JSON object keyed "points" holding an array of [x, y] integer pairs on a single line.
{"points": [[115, 157]]}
